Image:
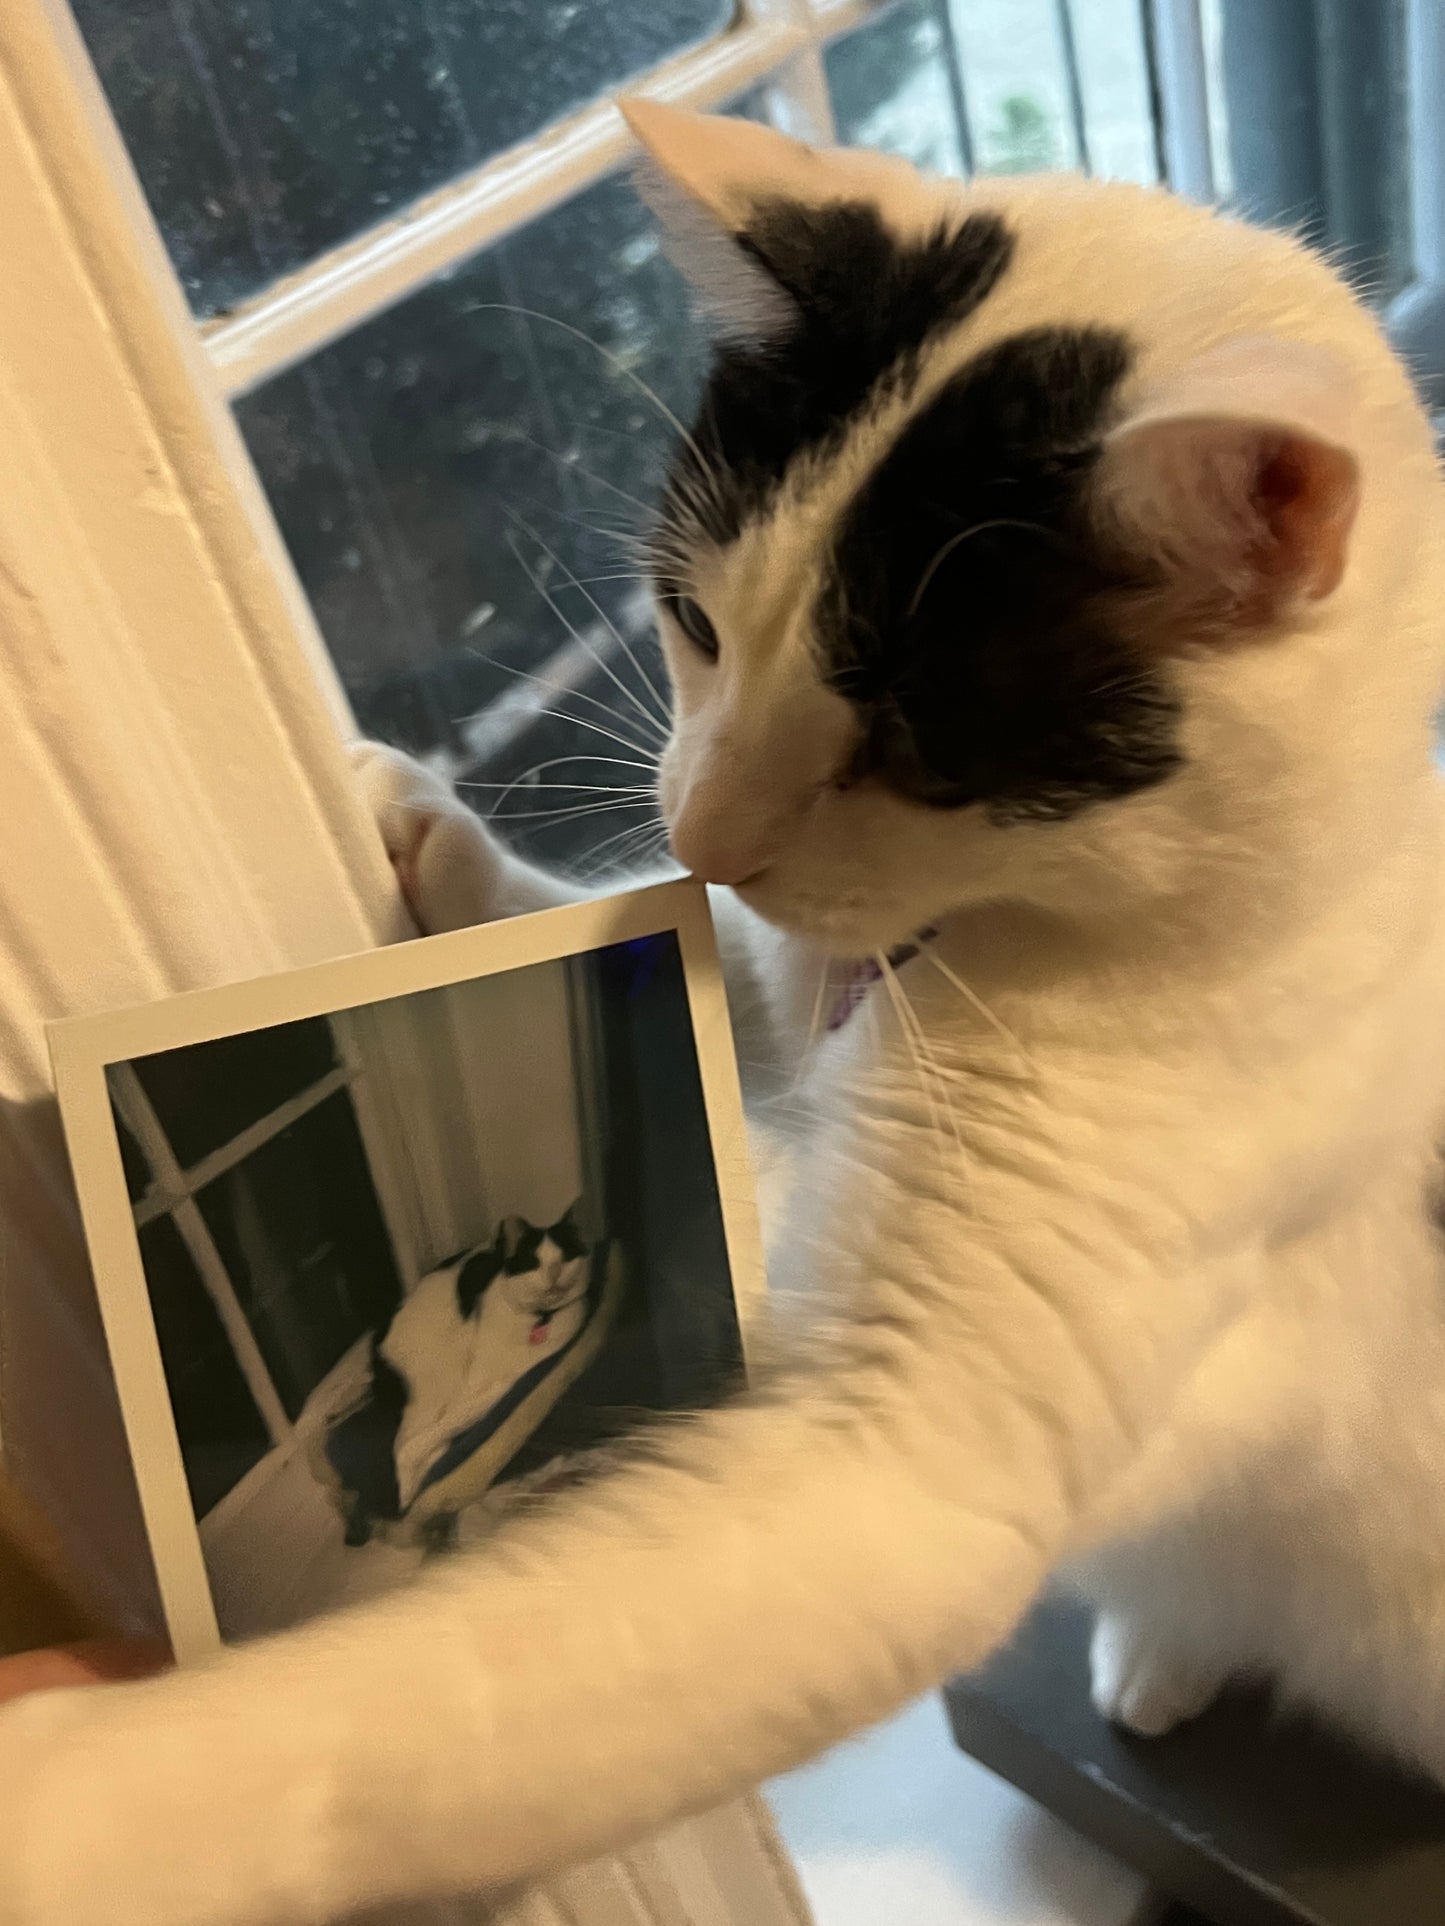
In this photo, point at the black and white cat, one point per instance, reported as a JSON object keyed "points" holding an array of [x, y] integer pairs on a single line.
{"points": [[468, 1347], [1057, 568]]}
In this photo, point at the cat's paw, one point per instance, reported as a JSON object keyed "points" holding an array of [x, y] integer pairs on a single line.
{"points": [[452, 871], [1144, 1683]]}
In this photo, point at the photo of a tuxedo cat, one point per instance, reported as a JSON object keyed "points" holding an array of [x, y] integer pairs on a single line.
{"points": [[410, 1260], [461, 1372]]}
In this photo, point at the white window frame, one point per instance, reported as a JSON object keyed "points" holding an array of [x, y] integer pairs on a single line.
{"points": [[774, 43], [175, 1188]]}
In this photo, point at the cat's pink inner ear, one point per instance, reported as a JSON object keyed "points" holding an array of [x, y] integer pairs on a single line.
{"points": [[1306, 495], [1241, 519], [1233, 482]]}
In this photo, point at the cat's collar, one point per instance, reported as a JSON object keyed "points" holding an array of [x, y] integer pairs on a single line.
{"points": [[859, 977]]}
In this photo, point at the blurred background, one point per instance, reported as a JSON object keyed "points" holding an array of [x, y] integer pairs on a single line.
{"points": [[453, 347]]}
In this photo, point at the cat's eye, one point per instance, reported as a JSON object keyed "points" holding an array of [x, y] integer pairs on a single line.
{"points": [[696, 624]]}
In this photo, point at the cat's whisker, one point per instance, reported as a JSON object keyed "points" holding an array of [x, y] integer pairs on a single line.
{"points": [[913, 1031], [576, 634], [638, 843], [942, 554], [584, 722], [614, 362], [524, 781], [976, 1002], [510, 432], [601, 613], [571, 812], [815, 1024], [586, 788]]}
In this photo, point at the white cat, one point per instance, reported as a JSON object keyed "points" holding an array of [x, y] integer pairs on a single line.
{"points": [[1057, 568]]}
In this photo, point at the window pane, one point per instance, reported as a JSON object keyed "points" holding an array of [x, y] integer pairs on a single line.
{"points": [[204, 1094], [302, 1237], [267, 130], [1114, 88], [221, 1431], [1016, 83], [442, 473], [894, 86], [1316, 122]]}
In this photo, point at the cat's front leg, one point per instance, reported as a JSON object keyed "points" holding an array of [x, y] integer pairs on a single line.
{"points": [[451, 869], [454, 872]]}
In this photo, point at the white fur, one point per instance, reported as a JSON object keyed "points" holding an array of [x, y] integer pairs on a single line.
{"points": [[1115, 1232], [455, 1368]]}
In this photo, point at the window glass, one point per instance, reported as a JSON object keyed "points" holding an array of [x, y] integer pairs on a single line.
{"points": [[265, 131], [1113, 83], [894, 86], [204, 1094], [303, 1240], [462, 484], [1016, 82], [221, 1430]]}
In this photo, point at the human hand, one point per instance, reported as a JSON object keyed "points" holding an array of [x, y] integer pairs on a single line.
{"points": [[97, 1661]]}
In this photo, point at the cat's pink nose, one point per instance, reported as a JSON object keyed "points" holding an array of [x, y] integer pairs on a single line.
{"points": [[716, 858]]}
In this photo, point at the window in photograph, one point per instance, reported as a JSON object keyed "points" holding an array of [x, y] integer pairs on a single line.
{"points": [[203, 1101], [216, 1411], [299, 1229], [486, 1241]]}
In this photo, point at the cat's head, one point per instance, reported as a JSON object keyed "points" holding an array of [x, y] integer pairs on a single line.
{"points": [[546, 1264], [1036, 540]]}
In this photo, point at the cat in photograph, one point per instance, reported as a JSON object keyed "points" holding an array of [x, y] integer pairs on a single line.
{"points": [[463, 1350], [1053, 597]]}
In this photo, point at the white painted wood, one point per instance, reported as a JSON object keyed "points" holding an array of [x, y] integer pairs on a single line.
{"points": [[386, 1156], [798, 96], [178, 809]]}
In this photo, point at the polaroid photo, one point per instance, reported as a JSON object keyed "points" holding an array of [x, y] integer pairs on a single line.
{"points": [[386, 1244]]}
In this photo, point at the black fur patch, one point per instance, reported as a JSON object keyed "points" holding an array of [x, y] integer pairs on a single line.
{"points": [[362, 1450], [970, 611], [867, 305]]}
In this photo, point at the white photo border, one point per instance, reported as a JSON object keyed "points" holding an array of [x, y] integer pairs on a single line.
{"points": [[83, 1048]]}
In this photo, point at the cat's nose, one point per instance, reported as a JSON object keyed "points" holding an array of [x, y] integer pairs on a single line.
{"points": [[714, 859], [727, 831]]}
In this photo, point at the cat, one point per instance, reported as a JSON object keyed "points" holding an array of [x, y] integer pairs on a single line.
{"points": [[1054, 567], [472, 1334]]}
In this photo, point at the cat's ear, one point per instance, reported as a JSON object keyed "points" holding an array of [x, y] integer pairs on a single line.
{"points": [[510, 1233], [702, 175], [1234, 483]]}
